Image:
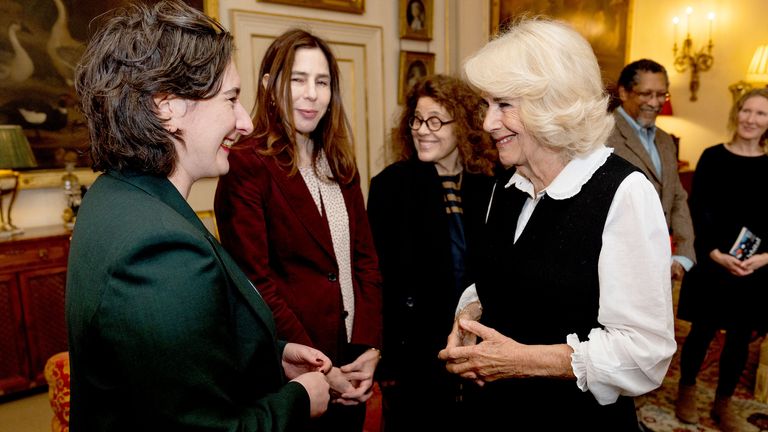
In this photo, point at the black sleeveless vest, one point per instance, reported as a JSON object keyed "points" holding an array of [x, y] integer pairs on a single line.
{"points": [[544, 287]]}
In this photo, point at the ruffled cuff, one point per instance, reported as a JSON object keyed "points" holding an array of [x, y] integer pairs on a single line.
{"points": [[604, 394], [578, 361]]}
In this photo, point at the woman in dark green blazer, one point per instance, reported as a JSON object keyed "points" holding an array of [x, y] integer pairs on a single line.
{"points": [[165, 331]]}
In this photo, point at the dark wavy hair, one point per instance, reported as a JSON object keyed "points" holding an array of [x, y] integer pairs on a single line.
{"points": [[475, 147], [140, 52], [274, 129]]}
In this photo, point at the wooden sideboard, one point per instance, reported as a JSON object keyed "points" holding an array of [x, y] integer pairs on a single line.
{"points": [[33, 268]]}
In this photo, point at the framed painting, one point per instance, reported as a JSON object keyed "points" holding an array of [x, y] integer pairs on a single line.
{"points": [[604, 23], [416, 19], [413, 66], [352, 6], [41, 41]]}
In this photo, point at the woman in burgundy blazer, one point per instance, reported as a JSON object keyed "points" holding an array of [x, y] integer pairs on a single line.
{"points": [[292, 214]]}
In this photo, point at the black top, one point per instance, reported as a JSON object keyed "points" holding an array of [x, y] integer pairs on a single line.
{"points": [[412, 233], [728, 193]]}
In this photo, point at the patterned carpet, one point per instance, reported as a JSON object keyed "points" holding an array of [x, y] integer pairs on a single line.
{"points": [[656, 410]]}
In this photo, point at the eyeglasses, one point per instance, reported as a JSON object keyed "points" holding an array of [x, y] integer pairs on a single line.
{"points": [[433, 123], [646, 95]]}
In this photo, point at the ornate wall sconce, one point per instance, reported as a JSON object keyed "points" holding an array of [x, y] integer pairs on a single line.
{"points": [[688, 58]]}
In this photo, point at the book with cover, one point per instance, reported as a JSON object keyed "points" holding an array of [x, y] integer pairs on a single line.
{"points": [[746, 244]]}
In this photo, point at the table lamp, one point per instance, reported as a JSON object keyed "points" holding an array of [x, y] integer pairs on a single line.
{"points": [[758, 67], [757, 74], [14, 153]]}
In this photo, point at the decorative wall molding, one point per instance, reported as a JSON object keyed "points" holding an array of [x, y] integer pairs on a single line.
{"points": [[359, 51]]}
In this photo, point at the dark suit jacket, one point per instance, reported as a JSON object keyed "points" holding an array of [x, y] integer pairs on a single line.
{"points": [[165, 332], [674, 199], [269, 222], [406, 209]]}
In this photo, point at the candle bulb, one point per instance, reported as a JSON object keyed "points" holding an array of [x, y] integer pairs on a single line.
{"points": [[675, 21], [686, 57]]}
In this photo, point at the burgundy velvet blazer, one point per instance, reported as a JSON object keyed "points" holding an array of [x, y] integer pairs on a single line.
{"points": [[269, 223]]}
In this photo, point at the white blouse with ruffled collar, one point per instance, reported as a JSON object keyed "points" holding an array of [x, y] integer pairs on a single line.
{"points": [[630, 354]]}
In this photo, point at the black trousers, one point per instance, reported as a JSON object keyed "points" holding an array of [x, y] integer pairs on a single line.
{"points": [[732, 359], [411, 406]]}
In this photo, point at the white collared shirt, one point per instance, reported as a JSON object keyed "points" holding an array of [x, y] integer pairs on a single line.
{"points": [[630, 355]]}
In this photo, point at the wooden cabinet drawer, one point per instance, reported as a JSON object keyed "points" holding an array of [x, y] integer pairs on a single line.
{"points": [[32, 255], [36, 248]]}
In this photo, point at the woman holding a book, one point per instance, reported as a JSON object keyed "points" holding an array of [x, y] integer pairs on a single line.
{"points": [[727, 288]]}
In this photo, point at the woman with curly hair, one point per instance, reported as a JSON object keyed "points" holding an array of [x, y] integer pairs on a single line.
{"points": [[421, 210]]}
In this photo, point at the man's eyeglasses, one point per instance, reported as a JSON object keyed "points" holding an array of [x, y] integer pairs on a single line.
{"points": [[433, 123], [647, 95]]}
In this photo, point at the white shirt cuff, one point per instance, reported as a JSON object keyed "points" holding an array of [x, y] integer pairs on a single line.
{"points": [[578, 363]]}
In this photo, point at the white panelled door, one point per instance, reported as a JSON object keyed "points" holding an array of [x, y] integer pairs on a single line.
{"points": [[358, 49]]}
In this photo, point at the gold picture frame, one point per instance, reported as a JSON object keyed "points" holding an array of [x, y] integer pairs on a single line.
{"points": [[52, 92], [416, 19], [614, 17], [413, 66], [351, 6]]}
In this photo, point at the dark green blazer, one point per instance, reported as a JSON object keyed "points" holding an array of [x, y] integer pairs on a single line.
{"points": [[165, 331]]}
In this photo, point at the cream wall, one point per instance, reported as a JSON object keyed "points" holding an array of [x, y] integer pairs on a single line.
{"points": [[461, 27], [44, 206], [739, 27]]}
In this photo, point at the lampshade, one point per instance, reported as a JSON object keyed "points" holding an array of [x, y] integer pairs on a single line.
{"points": [[666, 109], [14, 148], [758, 68]]}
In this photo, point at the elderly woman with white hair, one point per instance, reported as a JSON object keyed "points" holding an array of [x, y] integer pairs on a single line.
{"points": [[573, 299]]}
